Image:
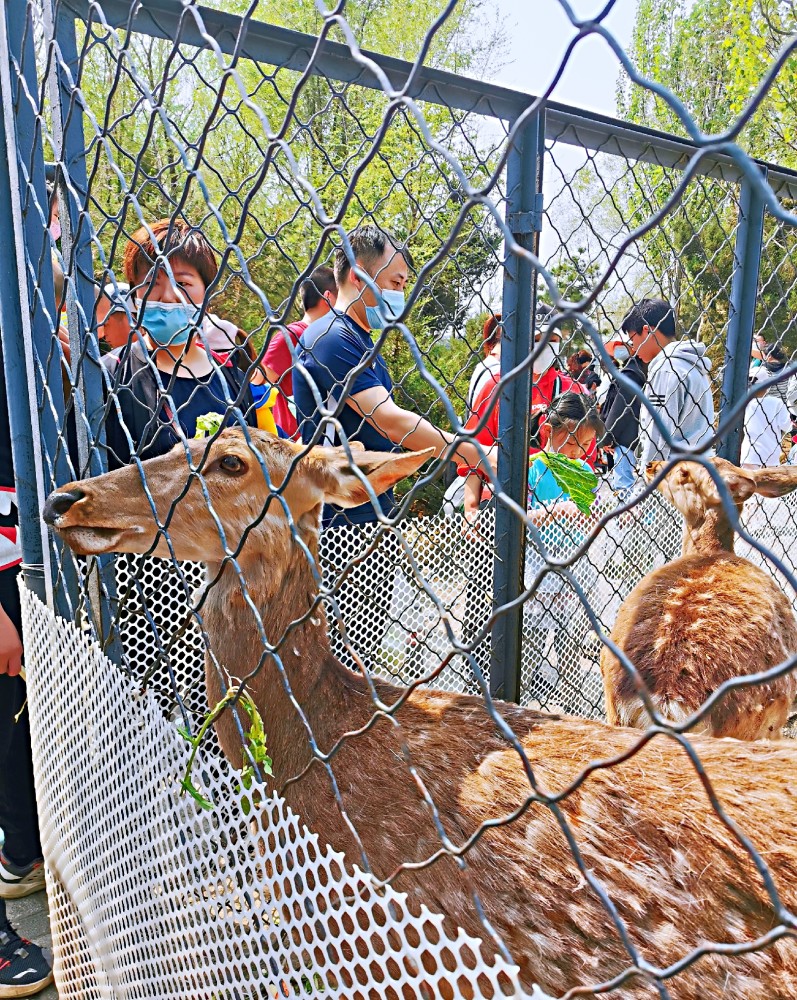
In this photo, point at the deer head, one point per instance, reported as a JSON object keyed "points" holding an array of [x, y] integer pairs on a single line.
{"points": [[691, 489], [241, 487]]}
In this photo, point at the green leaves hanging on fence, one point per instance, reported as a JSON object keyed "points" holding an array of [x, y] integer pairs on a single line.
{"points": [[255, 752], [573, 478]]}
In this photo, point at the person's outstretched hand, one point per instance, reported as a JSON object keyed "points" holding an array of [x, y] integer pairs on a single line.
{"points": [[10, 647]]}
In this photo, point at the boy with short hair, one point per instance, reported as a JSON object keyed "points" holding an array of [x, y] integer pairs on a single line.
{"points": [[677, 385]]}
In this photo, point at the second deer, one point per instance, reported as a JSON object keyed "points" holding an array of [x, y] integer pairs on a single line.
{"points": [[706, 617]]}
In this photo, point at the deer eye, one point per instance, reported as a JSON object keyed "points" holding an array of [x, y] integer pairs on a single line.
{"points": [[232, 464]]}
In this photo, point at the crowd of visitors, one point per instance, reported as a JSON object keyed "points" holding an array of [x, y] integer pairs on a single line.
{"points": [[169, 363]]}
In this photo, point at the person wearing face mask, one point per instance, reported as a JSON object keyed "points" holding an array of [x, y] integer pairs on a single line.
{"points": [[342, 363], [548, 380], [620, 412], [164, 378], [485, 369], [678, 385], [581, 368]]}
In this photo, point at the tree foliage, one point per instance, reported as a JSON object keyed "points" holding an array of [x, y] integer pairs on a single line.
{"points": [[267, 163], [714, 55], [278, 173]]}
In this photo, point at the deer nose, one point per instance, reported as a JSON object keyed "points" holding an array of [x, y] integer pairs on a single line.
{"points": [[57, 504]]}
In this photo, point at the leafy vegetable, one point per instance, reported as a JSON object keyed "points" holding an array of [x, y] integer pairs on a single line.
{"points": [[208, 424], [579, 483], [255, 736]]}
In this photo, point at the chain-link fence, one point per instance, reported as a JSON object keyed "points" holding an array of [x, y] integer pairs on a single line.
{"points": [[209, 214]]}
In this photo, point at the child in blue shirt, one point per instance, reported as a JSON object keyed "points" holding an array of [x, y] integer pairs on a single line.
{"points": [[554, 610]]}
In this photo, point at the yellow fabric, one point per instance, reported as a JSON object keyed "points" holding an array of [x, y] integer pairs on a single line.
{"points": [[265, 418]]}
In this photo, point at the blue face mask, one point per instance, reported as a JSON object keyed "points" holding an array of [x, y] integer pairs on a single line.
{"points": [[393, 308], [169, 324], [621, 354]]}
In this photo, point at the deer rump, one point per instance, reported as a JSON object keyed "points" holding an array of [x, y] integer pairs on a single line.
{"points": [[692, 625], [706, 617]]}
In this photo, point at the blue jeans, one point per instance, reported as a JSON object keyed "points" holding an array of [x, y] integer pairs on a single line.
{"points": [[624, 472]]}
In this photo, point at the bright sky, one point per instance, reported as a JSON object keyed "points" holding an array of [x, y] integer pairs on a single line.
{"points": [[539, 32]]}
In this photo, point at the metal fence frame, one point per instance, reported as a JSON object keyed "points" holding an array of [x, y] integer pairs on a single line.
{"points": [[27, 302]]}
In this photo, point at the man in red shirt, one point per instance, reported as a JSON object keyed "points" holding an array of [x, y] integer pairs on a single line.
{"points": [[318, 293]]}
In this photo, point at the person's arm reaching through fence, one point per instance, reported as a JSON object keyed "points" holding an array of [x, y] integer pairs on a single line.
{"points": [[411, 431], [472, 497], [340, 360]]}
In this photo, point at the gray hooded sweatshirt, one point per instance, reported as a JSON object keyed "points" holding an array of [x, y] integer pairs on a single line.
{"points": [[678, 388]]}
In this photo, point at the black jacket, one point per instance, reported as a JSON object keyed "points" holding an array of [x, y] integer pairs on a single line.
{"points": [[620, 410], [145, 411]]}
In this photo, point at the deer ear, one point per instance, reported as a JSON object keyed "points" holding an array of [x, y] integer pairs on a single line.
{"points": [[739, 481], [741, 485], [382, 470], [774, 482]]}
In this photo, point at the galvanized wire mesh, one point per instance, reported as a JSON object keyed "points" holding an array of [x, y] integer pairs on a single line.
{"points": [[274, 146]]}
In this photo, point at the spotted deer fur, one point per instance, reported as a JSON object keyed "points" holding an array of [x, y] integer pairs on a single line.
{"points": [[645, 827], [706, 617]]}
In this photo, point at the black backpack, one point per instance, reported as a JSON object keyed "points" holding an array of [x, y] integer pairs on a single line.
{"points": [[130, 373]]}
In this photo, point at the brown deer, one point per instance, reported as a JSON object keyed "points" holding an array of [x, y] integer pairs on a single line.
{"points": [[706, 617], [645, 827]]}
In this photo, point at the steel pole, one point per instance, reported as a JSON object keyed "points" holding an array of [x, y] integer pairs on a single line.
{"points": [[28, 315], [523, 215], [741, 320]]}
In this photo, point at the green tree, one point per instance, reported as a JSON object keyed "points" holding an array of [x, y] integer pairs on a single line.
{"points": [[264, 199], [272, 165], [575, 275], [692, 251]]}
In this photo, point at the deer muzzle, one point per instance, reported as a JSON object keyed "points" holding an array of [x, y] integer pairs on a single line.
{"points": [[70, 513]]}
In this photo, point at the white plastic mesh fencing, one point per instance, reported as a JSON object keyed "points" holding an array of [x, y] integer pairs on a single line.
{"points": [[773, 523], [150, 896], [407, 601]]}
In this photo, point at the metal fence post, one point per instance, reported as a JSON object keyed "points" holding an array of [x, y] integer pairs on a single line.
{"points": [[33, 360], [21, 402], [523, 216], [76, 236], [69, 146], [741, 319]]}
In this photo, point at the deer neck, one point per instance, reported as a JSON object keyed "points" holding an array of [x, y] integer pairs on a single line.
{"points": [[282, 587], [711, 534]]}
